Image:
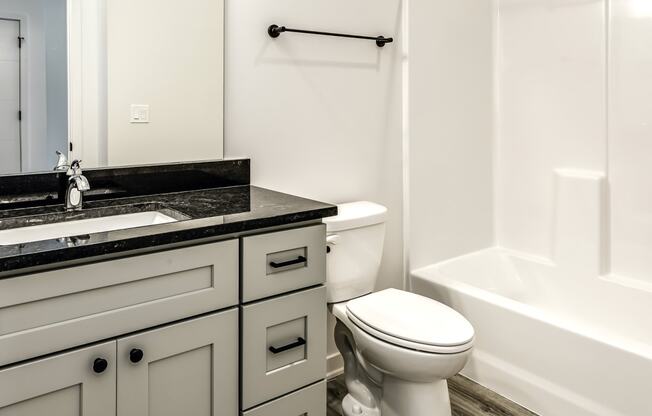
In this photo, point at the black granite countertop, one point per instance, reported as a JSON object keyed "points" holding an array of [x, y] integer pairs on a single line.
{"points": [[201, 214]]}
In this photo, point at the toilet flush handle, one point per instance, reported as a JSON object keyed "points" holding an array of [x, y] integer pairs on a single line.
{"points": [[331, 240]]}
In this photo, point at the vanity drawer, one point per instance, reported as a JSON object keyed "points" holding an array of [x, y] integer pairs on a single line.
{"points": [[310, 401], [283, 261], [283, 345], [55, 310]]}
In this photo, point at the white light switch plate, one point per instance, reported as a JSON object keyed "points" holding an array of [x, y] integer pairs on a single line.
{"points": [[140, 113]]}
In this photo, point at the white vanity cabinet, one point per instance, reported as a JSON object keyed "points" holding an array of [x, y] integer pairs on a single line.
{"points": [[284, 322], [189, 368], [227, 328]]}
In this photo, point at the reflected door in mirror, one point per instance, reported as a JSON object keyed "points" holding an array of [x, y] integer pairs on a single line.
{"points": [[10, 146]]}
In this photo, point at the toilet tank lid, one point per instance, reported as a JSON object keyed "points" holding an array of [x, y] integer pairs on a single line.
{"points": [[355, 215]]}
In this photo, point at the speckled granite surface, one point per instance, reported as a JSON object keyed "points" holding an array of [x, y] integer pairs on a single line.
{"points": [[201, 213]]}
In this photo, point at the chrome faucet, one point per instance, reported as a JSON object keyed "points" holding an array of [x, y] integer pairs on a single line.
{"points": [[77, 185]]}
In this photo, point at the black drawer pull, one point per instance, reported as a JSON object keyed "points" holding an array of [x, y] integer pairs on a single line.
{"points": [[298, 343], [298, 260]]}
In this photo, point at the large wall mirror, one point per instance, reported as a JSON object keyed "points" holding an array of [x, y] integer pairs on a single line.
{"points": [[111, 82]]}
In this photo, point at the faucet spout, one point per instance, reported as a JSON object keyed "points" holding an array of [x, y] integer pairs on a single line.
{"points": [[77, 185]]}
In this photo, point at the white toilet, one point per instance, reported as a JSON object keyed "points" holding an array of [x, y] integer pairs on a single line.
{"points": [[399, 348]]}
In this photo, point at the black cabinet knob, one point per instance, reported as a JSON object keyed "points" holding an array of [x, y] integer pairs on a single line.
{"points": [[100, 365], [136, 355]]}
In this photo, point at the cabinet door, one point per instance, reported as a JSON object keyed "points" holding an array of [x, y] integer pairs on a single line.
{"points": [[189, 368], [62, 385]]}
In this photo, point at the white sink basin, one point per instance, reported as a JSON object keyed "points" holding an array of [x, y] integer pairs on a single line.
{"points": [[81, 227]]}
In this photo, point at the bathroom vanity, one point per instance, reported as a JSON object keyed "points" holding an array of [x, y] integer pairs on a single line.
{"points": [[218, 308], [170, 287]]}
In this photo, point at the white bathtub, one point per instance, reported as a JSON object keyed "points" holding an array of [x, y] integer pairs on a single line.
{"points": [[552, 340]]}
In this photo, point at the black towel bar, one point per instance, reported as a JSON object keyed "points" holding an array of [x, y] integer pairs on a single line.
{"points": [[275, 31]]}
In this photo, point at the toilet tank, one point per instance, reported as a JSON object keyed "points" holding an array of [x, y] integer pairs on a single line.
{"points": [[355, 248]]}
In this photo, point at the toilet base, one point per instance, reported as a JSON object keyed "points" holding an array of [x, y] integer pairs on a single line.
{"points": [[401, 398], [351, 407]]}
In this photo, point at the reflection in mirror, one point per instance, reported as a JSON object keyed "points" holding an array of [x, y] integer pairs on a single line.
{"points": [[33, 84], [112, 82]]}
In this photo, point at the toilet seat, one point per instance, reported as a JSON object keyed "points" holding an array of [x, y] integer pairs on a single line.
{"points": [[411, 321]]}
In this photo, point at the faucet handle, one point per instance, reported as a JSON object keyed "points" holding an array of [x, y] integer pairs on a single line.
{"points": [[62, 162], [75, 168]]}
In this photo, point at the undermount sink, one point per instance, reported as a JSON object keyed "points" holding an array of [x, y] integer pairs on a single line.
{"points": [[75, 228]]}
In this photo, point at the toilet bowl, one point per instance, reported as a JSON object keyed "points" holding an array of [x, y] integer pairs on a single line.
{"points": [[399, 348]]}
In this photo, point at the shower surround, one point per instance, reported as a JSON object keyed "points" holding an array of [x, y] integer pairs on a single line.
{"points": [[557, 277]]}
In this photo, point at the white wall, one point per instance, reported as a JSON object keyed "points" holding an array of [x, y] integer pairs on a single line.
{"points": [[167, 55], [630, 143], [574, 88], [320, 117], [451, 128], [551, 71], [571, 91]]}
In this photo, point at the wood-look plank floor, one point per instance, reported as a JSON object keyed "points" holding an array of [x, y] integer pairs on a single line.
{"points": [[467, 399]]}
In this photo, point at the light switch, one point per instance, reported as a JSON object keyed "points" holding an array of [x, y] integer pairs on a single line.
{"points": [[140, 113]]}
